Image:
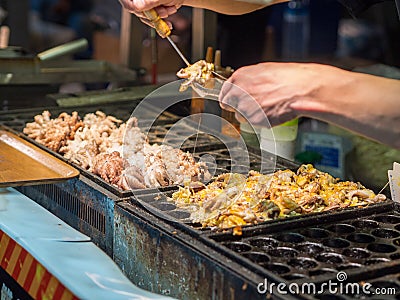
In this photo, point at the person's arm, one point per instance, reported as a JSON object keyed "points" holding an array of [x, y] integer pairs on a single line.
{"points": [[169, 7], [368, 105], [229, 7]]}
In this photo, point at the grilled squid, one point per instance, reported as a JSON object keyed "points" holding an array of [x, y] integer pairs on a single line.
{"points": [[199, 72], [235, 199]]}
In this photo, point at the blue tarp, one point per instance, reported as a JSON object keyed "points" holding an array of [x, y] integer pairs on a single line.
{"points": [[66, 253]]}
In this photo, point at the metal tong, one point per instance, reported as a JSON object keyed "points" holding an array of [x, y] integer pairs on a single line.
{"points": [[212, 88]]}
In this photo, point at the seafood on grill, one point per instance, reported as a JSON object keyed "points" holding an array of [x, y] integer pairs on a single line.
{"points": [[235, 200], [109, 166], [199, 72], [117, 151], [53, 133]]}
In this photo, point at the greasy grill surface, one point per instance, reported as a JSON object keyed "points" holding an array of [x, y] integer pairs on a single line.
{"points": [[301, 249], [311, 248], [16, 119], [161, 134], [185, 136], [157, 202], [221, 161]]}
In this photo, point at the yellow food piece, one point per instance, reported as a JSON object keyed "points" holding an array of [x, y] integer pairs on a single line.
{"points": [[233, 200]]}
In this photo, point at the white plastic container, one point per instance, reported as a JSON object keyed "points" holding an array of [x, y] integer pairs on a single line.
{"points": [[281, 139]]}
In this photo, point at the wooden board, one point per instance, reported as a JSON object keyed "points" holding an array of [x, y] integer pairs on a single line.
{"points": [[22, 163]]}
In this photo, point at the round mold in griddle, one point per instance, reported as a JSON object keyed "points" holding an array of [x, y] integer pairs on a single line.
{"points": [[360, 238], [395, 256], [310, 248], [302, 263], [385, 233], [257, 257], [330, 258], [329, 297], [277, 268], [388, 219], [336, 243], [348, 266], [212, 169], [294, 276], [320, 272], [315, 233], [375, 260], [164, 206], [264, 243], [207, 157], [385, 284], [290, 237], [285, 252], [341, 228], [238, 247], [179, 214], [365, 224], [357, 253], [161, 136], [381, 248]]}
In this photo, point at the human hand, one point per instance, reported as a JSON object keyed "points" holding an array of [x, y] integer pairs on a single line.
{"points": [[270, 94], [164, 8]]}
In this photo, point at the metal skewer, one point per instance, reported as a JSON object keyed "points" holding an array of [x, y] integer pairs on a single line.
{"points": [[178, 51], [164, 31], [384, 187]]}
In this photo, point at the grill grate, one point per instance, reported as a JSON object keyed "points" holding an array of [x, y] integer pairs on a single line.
{"points": [[318, 252], [16, 119], [73, 205], [82, 204], [156, 202]]}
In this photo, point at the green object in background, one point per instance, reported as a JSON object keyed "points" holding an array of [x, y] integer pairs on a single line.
{"points": [[291, 122], [284, 132], [308, 157]]}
